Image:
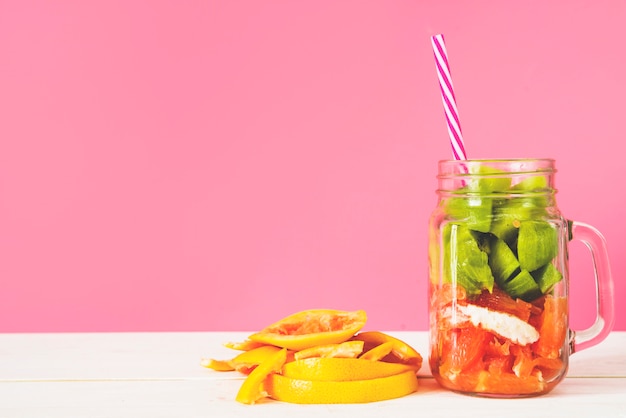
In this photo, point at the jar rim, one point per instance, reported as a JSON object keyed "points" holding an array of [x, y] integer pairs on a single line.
{"points": [[507, 165], [498, 160]]}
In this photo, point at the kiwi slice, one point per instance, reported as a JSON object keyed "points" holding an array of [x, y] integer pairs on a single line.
{"points": [[502, 261], [546, 277], [522, 286], [537, 244]]}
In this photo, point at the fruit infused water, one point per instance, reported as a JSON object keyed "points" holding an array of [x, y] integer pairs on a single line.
{"points": [[498, 298]]}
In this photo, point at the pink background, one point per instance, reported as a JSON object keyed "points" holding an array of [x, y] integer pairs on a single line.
{"points": [[216, 165]]}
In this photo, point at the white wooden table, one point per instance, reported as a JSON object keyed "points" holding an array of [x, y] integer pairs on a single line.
{"points": [[159, 375]]}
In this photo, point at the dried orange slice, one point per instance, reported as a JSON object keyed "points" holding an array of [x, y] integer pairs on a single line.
{"points": [[250, 390], [311, 328], [301, 391]]}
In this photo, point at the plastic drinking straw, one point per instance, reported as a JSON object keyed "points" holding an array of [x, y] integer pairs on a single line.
{"points": [[448, 98]]}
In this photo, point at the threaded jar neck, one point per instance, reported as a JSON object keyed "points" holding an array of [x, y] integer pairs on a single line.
{"points": [[498, 177]]}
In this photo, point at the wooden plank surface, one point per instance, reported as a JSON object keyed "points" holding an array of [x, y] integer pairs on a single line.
{"points": [[158, 375], [177, 355], [598, 397]]}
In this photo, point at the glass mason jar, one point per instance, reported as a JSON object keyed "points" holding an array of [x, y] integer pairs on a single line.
{"points": [[498, 266]]}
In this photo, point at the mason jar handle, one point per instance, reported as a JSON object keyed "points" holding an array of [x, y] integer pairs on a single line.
{"points": [[593, 239]]}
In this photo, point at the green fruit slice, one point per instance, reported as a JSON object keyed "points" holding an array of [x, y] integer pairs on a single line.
{"points": [[537, 244], [473, 211], [465, 263], [475, 206], [491, 180], [535, 183], [509, 213], [502, 261], [536, 200], [505, 227], [546, 277], [522, 286]]}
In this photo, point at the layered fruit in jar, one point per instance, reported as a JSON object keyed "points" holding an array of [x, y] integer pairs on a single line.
{"points": [[498, 301]]}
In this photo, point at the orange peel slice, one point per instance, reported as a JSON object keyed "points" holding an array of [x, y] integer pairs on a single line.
{"points": [[244, 362], [401, 352], [245, 345], [378, 352], [319, 356], [217, 365], [348, 349], [301, 391], [341, 369], [247, 360], [312, 328], [251, 389]]}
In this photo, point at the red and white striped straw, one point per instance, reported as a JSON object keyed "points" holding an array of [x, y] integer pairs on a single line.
{"points": [[447, 95]]}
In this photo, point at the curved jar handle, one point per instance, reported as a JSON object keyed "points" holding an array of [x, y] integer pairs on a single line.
{"points": [[603, 324]]}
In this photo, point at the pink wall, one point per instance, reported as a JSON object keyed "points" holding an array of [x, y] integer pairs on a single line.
{"points": [[216, 165]]}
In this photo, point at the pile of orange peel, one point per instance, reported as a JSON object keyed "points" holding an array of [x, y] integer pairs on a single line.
{"points": [[320, 357]]}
